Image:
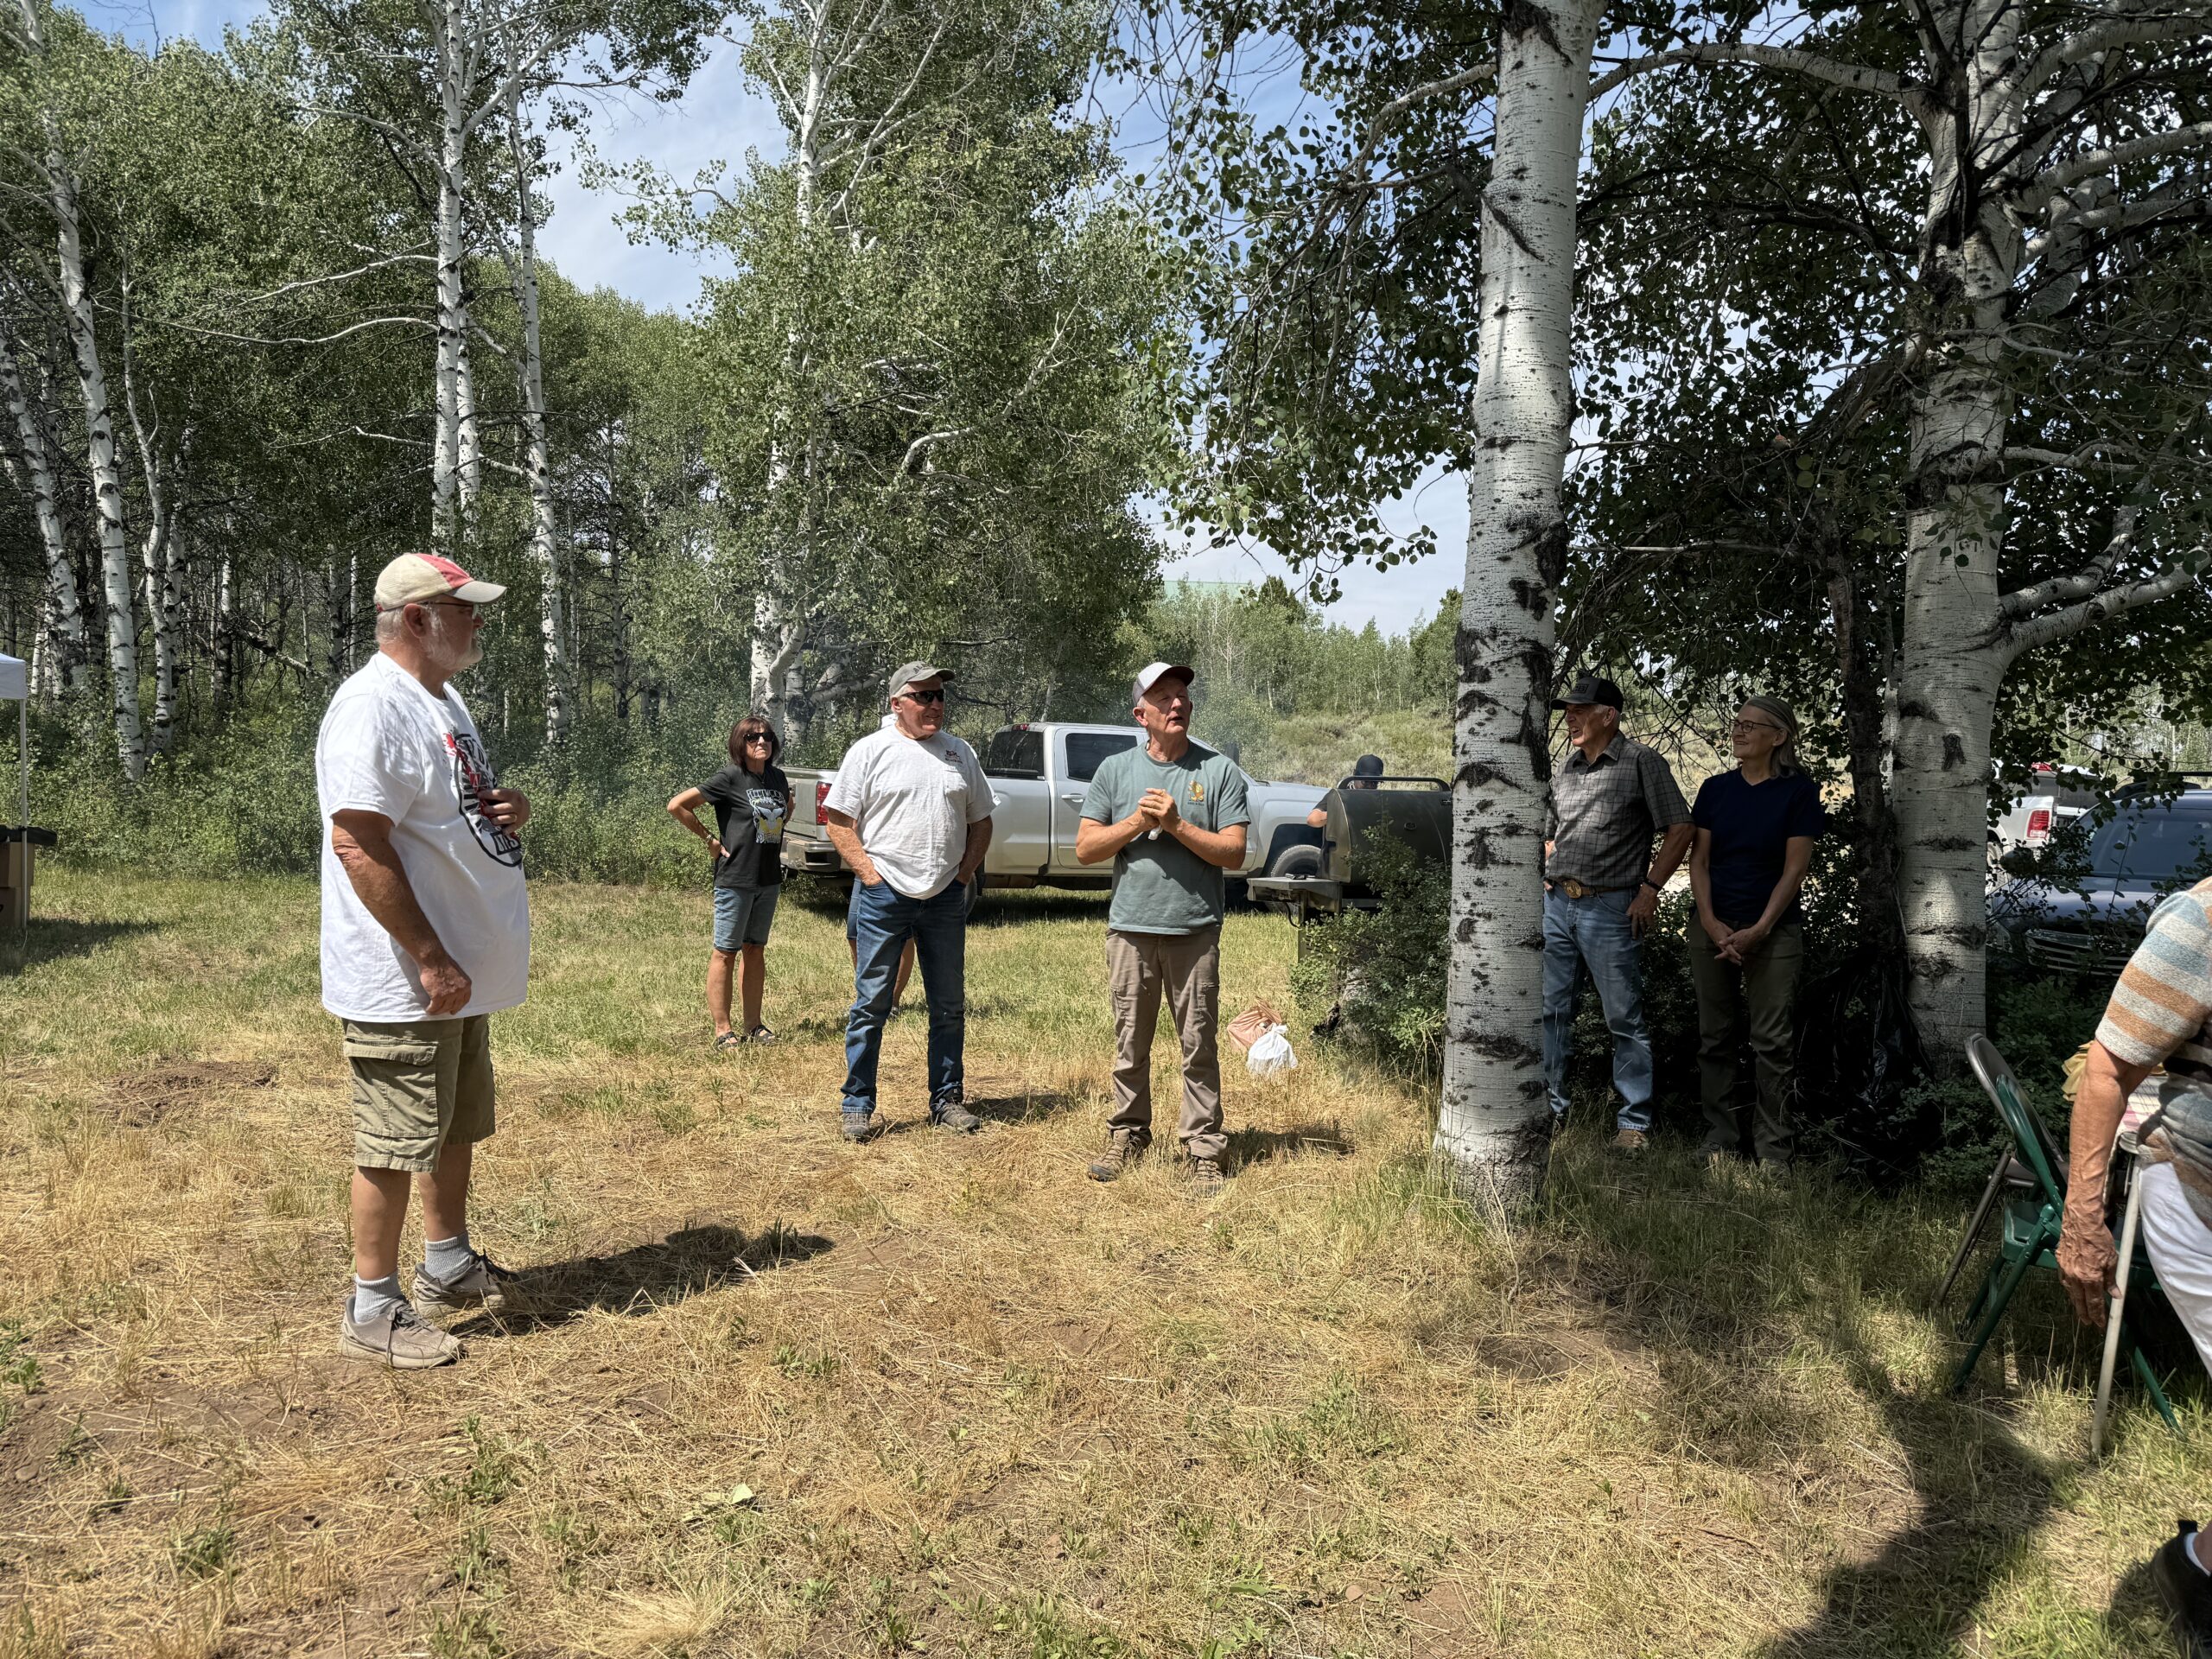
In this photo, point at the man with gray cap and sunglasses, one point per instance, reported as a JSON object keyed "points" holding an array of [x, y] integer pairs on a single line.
{"points": [[1171, 815], [1601, 888], [425, 935], [911, 816]]}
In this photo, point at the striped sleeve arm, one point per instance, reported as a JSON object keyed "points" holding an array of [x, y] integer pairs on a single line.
{"points": [[2164, 993]]}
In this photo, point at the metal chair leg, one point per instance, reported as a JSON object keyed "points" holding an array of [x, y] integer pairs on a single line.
{"points": [[2149, 1381], [1973, 1228], [1999, 1296]]}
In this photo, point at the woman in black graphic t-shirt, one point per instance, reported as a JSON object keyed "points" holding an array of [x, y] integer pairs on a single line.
{"points": [[752, 800]]}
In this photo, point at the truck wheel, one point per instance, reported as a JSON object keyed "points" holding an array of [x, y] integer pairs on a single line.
{"points": [[1301, 860]]}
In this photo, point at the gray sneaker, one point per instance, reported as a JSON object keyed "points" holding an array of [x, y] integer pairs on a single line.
{"points": [[485, 1285], [1206, 1177], [858, 1126], [1124, 1152], [395, 1337], [952, 1112]]}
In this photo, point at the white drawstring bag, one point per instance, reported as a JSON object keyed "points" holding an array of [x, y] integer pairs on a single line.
{"points": [[1271, 1053]]}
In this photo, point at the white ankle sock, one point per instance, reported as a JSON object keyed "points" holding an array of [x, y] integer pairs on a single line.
{"points": [[2189, 1548], [372, 1296], [447, 1258]]}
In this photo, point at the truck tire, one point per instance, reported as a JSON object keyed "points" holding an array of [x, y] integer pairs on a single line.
{"points": [[1303, 859]]}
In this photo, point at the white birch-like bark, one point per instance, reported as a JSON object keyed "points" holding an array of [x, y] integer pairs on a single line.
{"points": [[156, 554], [57, 179], [61, 184], [1494, 1121], [1952, 660], [62, 616], [544, 549], [448, 509], [778, 631]]}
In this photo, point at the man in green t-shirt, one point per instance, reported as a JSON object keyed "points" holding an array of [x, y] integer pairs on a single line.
{"points": [[1172, 816]]}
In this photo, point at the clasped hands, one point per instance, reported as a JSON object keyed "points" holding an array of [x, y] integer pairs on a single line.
{"points": [[1734, 943], [1156, 811]]}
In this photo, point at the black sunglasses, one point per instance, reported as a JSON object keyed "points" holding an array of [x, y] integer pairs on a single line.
{"points": [[758, 737], [937, 696]]}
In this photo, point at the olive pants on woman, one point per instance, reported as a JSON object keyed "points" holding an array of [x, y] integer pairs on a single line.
{"points": [[1749, 1002]]}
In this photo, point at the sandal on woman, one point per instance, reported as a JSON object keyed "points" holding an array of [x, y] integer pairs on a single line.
{"points": [[727, 1040], [760, 1034]]}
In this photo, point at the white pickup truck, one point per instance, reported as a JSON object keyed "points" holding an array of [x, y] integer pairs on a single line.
{"points": [[1039, 776]]}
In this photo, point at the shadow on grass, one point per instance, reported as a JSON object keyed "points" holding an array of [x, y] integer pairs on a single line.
{"points": [[59, 939], [1728, 1282], [647, 1277], [1250, 1146], [1015, 1105]]}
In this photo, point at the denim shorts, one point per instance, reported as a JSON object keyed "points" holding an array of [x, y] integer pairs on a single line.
{"points": [[742, 916]]}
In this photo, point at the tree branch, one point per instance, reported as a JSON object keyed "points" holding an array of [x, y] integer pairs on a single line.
{"points": [[2175, 578], [1857, 77], [2069, 173]]}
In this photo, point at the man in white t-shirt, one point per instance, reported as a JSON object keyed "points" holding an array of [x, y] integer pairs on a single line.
{"points": [[425, 934], [910, 815]]}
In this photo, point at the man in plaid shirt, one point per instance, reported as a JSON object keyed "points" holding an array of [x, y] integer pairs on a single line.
{"points": [[1601, 888]]}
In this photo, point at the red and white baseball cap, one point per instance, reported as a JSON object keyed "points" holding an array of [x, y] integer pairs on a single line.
{"points": [[413, 577]]}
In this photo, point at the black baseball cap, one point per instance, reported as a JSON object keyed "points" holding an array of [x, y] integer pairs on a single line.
{"points": [[1590, 689], [1368, 766]]}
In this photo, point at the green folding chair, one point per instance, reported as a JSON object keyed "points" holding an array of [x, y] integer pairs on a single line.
{"points": [[2033, 1221]]}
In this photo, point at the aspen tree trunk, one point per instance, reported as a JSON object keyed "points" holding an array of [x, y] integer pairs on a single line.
{"points": [[448, 508], [1954, 650], [226, 641], [544, 552], [778, 618], [1494, 1121], [107, 480], [61, 184], [63, 621], [155, 553]]}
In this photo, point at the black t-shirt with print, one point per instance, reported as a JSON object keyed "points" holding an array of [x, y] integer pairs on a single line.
{"points": [[750, 809]]}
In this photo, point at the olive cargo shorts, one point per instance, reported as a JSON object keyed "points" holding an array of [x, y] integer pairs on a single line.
{"points": [[416, 1086]]}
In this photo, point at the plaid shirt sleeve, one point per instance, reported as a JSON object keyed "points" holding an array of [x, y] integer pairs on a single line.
{"points": [[1662, 797]]}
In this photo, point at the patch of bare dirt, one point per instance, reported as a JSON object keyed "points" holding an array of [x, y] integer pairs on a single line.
{"points": [[139, 1100]]}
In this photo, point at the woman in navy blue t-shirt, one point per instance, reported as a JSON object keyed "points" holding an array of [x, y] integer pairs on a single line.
{"points": [[1756, 827]]}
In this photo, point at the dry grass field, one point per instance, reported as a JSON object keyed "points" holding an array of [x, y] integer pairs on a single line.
{"points": [[776, 1395]]}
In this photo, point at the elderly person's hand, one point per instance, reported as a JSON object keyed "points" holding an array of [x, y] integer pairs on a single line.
{"points": [[2088, 1263]]}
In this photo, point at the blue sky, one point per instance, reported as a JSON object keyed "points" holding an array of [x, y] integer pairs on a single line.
{"points": [[719, 118]]}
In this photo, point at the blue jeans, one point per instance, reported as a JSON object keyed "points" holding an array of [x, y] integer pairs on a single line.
{"points": [[883, 920], [1593, 934]]}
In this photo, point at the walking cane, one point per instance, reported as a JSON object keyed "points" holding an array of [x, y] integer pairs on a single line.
{"points": [[2132, 1146]]}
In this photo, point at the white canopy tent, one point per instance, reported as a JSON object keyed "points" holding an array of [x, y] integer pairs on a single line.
{"points": [[15, 683]]}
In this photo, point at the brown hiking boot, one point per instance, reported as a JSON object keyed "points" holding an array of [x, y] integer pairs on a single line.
{"points": [[1206, 1177], [1629, 1140], [1124, 1151], [397, 1337]]}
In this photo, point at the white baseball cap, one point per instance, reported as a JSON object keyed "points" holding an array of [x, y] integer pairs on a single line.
{"points": [[413, 577], [1152, 673]]}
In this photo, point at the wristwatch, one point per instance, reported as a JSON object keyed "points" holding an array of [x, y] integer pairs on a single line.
{"points": [[1648, 882]]}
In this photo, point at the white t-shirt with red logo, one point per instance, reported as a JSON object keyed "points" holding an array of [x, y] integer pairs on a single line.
{"points": [[388, 747]]}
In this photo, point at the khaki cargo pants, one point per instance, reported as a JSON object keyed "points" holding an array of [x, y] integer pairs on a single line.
{"points": [[1186, 968], [418, 1086]]}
